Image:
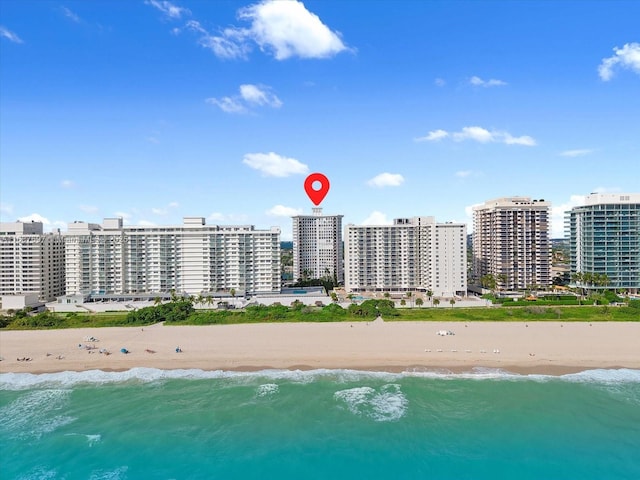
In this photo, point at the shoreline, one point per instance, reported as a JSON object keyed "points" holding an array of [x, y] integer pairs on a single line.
{"points": [[546, 348]]}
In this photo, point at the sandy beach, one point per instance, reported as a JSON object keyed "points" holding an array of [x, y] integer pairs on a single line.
{"points": [[534, 347]]}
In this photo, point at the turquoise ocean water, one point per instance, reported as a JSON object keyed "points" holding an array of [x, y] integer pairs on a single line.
{"points": [[323, 424]]}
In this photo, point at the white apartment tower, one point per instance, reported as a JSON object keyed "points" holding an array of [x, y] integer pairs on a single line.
{"points": [[413, 254], [317, 246], [604, 239], [31, 261], [511, 242], [192, 258]]}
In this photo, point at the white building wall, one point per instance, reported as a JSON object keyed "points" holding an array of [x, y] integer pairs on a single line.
{"points": [[31, 261], [511, 242], [192, 258], [317, 246], [412, 254]]}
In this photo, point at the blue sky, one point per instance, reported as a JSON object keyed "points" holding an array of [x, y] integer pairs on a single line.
{"points": [[154, 110]]}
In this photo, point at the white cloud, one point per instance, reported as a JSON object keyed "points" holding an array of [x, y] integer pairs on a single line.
{"points": [[288, 29], [433, 136], [126, 217], [67, 184], [88, 209], [228, 104], [463, 173], [558, 214], [576, 153], [627, 57], [525, 140], [440, 82], [227, 218], [168, 8], [479, 134], [259, 95], [70, 15], [386, 180], [9, 35], [377, 218], [6, 208], [274, 165], [282, 28], [468, 210], [35, 217], [282, 211], [146, 223], [607, 190], [478, 82], [164, 210], [250, 96]]}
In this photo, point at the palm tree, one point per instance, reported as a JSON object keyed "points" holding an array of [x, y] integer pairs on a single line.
{"points": [[430, 296], [410, 297], [334, 297], [419, 302], [157, 301], [436, 302], [209, 300]]}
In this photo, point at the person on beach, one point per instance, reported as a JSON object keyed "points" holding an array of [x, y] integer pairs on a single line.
{"points": [[178, 350]]}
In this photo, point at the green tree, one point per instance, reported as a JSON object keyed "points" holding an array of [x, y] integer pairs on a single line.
{"points": [[436, 302], [419, 302], [409, 295], [430, 296], [452, 302]]}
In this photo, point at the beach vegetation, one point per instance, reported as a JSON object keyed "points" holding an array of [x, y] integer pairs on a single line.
{"points": [[181, 312]]}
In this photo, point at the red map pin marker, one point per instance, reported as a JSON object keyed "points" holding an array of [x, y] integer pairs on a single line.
{"points": [[316, 195]]}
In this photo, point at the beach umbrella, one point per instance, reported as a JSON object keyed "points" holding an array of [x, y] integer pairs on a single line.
{"points": [[124, 350]]}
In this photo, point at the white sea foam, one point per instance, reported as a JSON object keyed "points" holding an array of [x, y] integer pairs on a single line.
{"points": [[115, 474], [39, 473], [91, 439], [23, 381], [267, 390], [34, 414], [383, 405]]}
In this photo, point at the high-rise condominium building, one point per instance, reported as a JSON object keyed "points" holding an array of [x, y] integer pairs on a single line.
{"points": [[31, 261], [604, 239], [317, 246], [412, 254], [511, 242], [192, 258]]}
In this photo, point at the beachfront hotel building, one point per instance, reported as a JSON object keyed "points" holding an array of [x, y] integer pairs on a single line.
{"points": [[511, 243], [192, 258], [31, 261], [317, 246], [412, 254], [604, 239]]}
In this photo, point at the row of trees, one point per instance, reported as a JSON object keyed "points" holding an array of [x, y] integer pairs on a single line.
{"points": [[590, 280]]}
